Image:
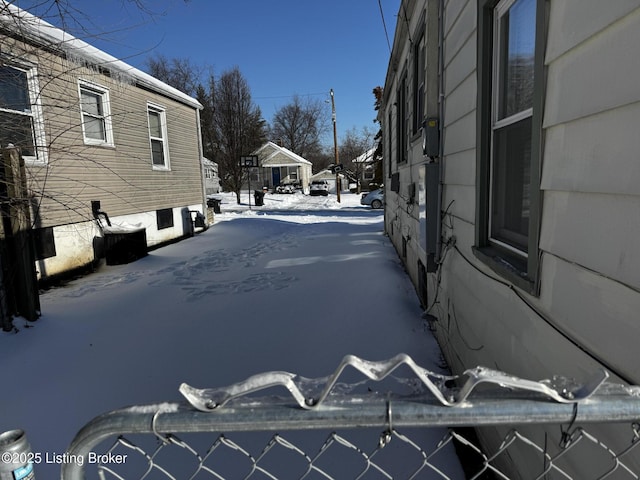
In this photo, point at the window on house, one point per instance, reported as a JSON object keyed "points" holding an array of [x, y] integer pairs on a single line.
{"points": [[513, 60], [419, 72], [401, 128], [369, 172], [164, 218], [43, 242], [19, 115], [389, 142], [158, 137], [96, 114], [293, 173], [509, 148]]}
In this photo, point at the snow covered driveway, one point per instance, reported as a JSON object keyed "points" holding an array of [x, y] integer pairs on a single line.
{"points": [[294, 285]]}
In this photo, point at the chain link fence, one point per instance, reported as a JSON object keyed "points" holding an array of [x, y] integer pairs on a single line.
{"points": [[489, 431]]}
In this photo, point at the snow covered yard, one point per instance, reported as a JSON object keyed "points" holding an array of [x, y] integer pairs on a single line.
{"points": [[294, 285]]}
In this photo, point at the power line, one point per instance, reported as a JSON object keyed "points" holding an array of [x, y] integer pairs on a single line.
{"points": [[291, 96], [384, 24]]}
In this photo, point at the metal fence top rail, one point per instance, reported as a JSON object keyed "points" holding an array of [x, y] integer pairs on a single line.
{"points": [[502, 400]]}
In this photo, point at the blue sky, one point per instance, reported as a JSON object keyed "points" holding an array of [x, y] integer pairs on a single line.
{"points": [[282, 47]]}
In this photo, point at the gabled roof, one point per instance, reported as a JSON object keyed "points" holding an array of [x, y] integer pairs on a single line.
{"points": [[273, 155], [365, 157], [39, 32]]}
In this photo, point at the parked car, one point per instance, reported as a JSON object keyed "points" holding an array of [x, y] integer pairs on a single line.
{"points": [[319, 187], [286, 188], [374, 198]]}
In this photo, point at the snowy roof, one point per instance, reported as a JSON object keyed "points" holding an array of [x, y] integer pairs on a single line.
{"points": [[274, 159], [209, 163], [365, 157], [40, 32], [326, 174]]}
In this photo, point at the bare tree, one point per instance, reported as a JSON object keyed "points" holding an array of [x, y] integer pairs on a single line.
{"points": [[209, 132], [180, 73], [300, 124], [239, 127]]}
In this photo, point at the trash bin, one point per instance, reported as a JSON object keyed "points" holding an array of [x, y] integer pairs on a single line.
{"points": [[258, 196], [124, 245], [215, 203]]}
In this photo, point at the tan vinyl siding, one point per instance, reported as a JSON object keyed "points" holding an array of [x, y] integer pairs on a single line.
{"points": [[120, 176]]}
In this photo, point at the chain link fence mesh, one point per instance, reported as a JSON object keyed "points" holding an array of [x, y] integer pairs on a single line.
{"points": [[526, 431]]}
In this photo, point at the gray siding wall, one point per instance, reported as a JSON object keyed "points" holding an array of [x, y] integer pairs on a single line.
{"points": [[590, 273], [589, 276]]}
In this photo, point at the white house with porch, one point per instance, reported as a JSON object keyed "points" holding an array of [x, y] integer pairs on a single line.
{"points": [[280, 166]]}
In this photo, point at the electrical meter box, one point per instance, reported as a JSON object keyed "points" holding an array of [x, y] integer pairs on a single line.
{"points": [[431, 137]]}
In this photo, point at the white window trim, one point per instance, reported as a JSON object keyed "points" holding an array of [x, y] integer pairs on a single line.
{"points": [[165, 143], [106, 113], [39, 137]]}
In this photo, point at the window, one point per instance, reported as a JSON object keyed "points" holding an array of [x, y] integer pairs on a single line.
{"points": [[369, 172], [96, 114], [20, 116], [293, 173], [44, 242], [389, 142], [164, 218], [401, 128], [419, 72], [158, 137], [510, 129]]}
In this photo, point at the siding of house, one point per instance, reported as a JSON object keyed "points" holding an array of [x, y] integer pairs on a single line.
{"points": [[121, 176], [585, 315]]}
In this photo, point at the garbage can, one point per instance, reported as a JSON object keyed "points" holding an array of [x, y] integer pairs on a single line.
{"points": [[258, 196], [124, 245], [215, 203]]}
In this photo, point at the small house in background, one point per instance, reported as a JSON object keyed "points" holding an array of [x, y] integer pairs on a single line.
{"points": [[364, 168], [280, 166], [211, 176], [330, 177], [102, 142]]}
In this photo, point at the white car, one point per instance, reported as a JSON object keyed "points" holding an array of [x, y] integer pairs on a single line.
{"points": [[285, 189], [319, 187]]}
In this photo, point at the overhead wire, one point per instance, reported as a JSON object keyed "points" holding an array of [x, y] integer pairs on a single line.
{"points": [[384, 25]]}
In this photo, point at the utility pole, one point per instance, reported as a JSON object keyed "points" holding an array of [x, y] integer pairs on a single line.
{"points": [[335, 143]]}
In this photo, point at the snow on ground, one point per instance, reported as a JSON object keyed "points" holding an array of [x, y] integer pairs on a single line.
{"points": [[294, 285]]}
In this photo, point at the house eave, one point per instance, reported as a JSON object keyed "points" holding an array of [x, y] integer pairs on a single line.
{"points": [[22, 25]]}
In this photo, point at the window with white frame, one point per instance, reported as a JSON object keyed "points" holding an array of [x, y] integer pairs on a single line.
{"points": [[292, 173], [369, 172], [513, 81], [158, 137], [20, 113], [96, 114]]}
